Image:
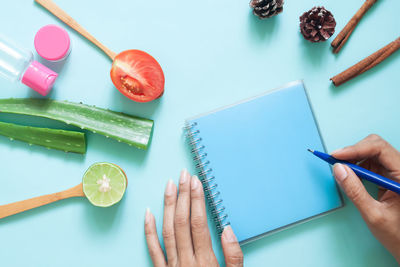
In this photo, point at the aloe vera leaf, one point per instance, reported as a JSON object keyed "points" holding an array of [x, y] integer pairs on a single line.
{"points": [[122, 127], [68, 141]]}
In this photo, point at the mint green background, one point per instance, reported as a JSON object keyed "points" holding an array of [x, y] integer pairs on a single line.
{"points": [[213, 53]]}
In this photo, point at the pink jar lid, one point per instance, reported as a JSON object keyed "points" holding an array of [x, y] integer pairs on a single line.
{"points": [[52, 43], [39, 78]]}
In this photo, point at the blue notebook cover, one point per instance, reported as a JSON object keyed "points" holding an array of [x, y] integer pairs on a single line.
{"points": [[253, 161]]}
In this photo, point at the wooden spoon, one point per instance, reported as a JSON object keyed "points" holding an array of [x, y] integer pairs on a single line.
{"points": [[134, 73], [90, 177], [21, 206]]}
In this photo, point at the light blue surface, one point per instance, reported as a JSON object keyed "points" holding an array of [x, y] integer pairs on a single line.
{"points": [[213, 53], [256, 150]]}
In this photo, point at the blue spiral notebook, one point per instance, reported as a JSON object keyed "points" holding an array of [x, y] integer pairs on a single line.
{"points": [[241, 152]]}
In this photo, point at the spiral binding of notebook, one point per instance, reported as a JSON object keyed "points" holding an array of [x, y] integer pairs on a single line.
{"points": [[206, 176]]}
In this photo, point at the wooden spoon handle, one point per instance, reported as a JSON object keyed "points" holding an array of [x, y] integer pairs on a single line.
{"points": [[20, 206], [59, 13]]}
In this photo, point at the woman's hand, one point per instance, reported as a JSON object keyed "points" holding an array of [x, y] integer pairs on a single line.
{"points": [[185, 231], [383, 215]]}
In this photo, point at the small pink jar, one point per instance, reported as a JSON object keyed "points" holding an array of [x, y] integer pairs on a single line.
{"points": [[52, 43]]}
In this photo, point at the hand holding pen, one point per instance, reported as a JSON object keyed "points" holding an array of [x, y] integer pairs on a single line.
{"points": [[382, 215]]}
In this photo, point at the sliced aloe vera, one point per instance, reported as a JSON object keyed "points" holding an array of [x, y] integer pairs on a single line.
{"points": [[122, 127], [68, 141]]}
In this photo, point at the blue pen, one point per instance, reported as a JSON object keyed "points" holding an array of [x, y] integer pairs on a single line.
{"points": [[361, 172]]}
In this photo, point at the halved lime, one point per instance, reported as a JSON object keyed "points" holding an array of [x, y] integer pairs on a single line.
{"points": [[104, 184]]}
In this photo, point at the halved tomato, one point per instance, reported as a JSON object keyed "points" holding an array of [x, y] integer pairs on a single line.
{"points": [[137, 75]]}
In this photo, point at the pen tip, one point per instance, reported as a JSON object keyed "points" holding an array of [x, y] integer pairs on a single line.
{"points": [[312, 151]]}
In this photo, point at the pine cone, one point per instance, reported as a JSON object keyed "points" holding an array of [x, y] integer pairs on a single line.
{"points": [[266, 8], [317, 25]]}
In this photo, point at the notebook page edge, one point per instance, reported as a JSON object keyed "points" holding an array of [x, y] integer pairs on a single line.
{"points": [[285, 227], [287, 85]]}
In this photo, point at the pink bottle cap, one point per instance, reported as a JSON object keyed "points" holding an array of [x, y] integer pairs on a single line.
{"points": [[52, 43], [39, 78]]}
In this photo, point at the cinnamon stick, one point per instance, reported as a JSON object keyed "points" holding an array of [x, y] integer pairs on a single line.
{"points": [[367, 63], [344, 35]]}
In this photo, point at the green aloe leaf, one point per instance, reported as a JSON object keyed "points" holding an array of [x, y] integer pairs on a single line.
{"points": [[68, 141], [122, 127]]}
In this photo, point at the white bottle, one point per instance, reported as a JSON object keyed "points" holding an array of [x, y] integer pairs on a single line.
{"points": [[17, 64]]}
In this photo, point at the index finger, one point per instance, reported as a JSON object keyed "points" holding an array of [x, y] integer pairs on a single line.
{"points": [[373, 146]]}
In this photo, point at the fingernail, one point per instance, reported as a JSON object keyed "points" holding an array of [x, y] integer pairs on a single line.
{"points": [[168, 189], [340, 172], [229, 235], [195, 182], [337, 151], [148, 216], [184, 176]]}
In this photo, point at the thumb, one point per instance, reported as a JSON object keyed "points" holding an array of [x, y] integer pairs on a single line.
{"points": [[354, 189], [232, 251]]}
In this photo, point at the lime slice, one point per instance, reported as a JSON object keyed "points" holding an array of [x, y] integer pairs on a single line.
{"points": [[104, 184]]}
